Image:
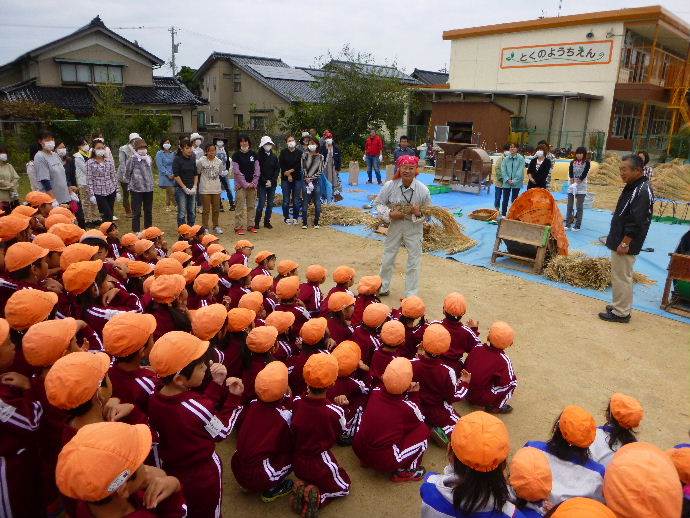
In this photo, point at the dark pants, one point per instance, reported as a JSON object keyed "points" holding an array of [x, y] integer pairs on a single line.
{"points": [[292, 192], [307, 198], [579, 202], [497, 197], [508, 192], [106, 206], [125, 198], [186, 206], [139, 200], [266, 197], [225, 184]]}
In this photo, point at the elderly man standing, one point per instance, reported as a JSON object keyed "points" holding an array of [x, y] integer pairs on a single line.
{"points": [[401, 200], [629, 226]]}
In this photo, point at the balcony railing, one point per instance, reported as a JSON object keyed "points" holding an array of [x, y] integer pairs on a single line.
{"points": [[645, 65]]}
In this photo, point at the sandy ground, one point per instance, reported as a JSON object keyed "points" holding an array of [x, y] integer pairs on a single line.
{"points": [[563, 354]]}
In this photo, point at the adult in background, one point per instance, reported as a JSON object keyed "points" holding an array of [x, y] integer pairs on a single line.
{"points": [[71, 177], [30, 166], [304, 141], [403, 148], [577, 173], [186, 178], [332, 161], [123, 154], [268, 180], [9, 180], [513, 176], [539, 169], [101, 180], [647, 169], [196, 139], [373, 149], [222, 155], [552, 158], [498, 177], [139, 180], [312, 169], [246, 171], [290, 160], [629, 227], [50, 170], [208, 167], [88, 204], [166, 181], [402, 199]]}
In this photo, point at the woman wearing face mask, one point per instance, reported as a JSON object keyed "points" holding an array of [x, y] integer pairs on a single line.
{"points": [[246, 171], [222, 155], [101, 180], [164, 161], [71, 177], [91, 214], [9, 181], [139, 180], [291, 180], [538, 170], [50, 170], [208, 167], [186, 179], [312, 169], [332, 162], [196, 140], [268, 179]]}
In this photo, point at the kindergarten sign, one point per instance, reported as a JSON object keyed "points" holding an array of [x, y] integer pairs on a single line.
{"points": [[558, 54]]}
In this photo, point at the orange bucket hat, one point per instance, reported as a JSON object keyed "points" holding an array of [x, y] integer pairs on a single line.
{"points": [[580, 507], [343, 274], [167, 266], [397, 377], [375, 314], [75, 378], [146, 285], [62, 210], [626, 410], [181, 257], [348, 355], [26, 307], [100, 458], [78, 277], [316, 273], [68, 232], [530, 474], [105, 227], [24, 210], [287, 287], [190, 273], [263, 255], [217, 259], [166, 288], [128, 239], [192, 231], [577, 426], [339, 301], [393, 333], [37, 198], [281, 320], [286, 266], [215, 247], [252, 300], [501, 335], [320, 371], [183, 229], [262, 339], [208, 239], [313, 330], [50, 242], [173, 351], [261, 283], [20, 255], [480, 441], [436, 339], [204, 283], [369, 285], [208, 320], [76, 253], [12, 225], [180, 246], [412, 307], [45, 342], [237, 272], [271, 384], [138, 268], [126, 333], [4, 331], [243, 243], [152, 233], [680, 456], [54, 219], [455, 304], [239, 319], [142, 245], [94, 234]]}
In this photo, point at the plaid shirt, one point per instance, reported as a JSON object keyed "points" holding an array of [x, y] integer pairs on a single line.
{"points": [[101, 178]]}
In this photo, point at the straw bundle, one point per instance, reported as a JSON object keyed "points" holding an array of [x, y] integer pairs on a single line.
{"points": [[278, 200], [484, 214], [672, 180], [583, 271], [608, 172], [346, 216]]}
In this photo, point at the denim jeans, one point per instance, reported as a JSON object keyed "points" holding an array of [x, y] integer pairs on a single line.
{"points": [[375, 163], [498, 191], [292, 192], [266, 197], [139, 200], [307, 198], [508, 192], [186, 206]]}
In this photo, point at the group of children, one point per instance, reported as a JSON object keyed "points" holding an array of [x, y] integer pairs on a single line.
{"points": [[123, 360]]}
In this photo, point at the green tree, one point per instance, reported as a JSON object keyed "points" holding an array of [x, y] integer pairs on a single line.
{"points": [[186, 77]]}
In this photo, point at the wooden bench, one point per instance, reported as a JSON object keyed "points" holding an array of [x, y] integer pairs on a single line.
{"points": [[513, 232], [678, 270]]}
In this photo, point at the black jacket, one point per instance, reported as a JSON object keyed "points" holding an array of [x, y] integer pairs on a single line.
{"points": [[571, 175], [268, 162], [632, 216], [185, 168], [291, 160], [539, 174], [337, 158]]}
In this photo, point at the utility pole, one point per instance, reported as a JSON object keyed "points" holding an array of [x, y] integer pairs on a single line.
{"points": [[174, 49]]}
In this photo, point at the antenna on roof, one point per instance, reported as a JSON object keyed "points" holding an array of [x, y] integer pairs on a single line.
{"points": [[542, 15], [174, 49], [560, 6]]}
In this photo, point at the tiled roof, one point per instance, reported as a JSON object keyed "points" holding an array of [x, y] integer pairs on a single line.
{"points": [[429, 77], [316, 72], [77, 100], [377, 70], [165, 90]]}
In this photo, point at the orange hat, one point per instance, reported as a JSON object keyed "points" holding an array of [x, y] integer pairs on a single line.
{"points": [[75, 253], [94, 234], [192, 231], [139, 268], [287, 287], [68, 232], [580, 507], [22, 254], [397, 377], [50, 242], [11, 226], [501, 335], [79, 276], [261, 283], [239, 319], [180, 246], [215, 247], [47, 341], [237, 271], [286, 266], [167, 266], [369, 285], [320, 370], [24, 210], [37, 198], [641, 481], [26, 307], [480, 441], [142, 245], [316, 273], [393, 333], [263, 255], [271, 384], [455, 304], [167, 288], [100, 458], [105, 227], [530, 474], [208, 320], [127, 332], [262, 339], [204, 284], [183, 229], [281, 320], [62, 210], [626, 410], [243, 243], [348, 355], [252, 300], [680, 456], [436, 339], [54, 219], [123, 261], [180, 257], [413, 307], [208, 239], [313, 330], [146, 285], [375, 314], [173, 351], [129, 239], [339, 301], [4, 331], [152, 233], [577, 426], [190, 272], [75, 378], [343, 274], [217, 259]]}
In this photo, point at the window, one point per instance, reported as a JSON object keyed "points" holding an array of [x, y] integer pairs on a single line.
{"points": [[626, 119], [236, 76], [239, 120], [100, 74], [83, 74], [257, 123], [460, 132], [237, 87], [201, 119], [87, 74], [69, 73]]}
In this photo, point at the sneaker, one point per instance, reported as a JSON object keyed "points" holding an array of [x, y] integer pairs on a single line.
{"points": [[287, 221], [370, 182], [305, 227], [408, 475], [380, 182], [218, 230], [282, 489], [311, 501], [239, 231], [609, 316], [232, 207], [221, 208], [345, 440], [439, 437], [505, 409], [568, 228], [317, 226], [297, 497], [576, 229], [268, 225], [115, 218], [253, 230]]}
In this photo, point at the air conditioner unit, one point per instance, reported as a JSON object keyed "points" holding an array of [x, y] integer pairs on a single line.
{"points": [[441, 133]]}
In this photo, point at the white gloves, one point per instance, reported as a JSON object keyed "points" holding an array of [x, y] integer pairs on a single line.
{"points": [[364, 158], [190, 192], [381, 157], [92, 199], [309, 188]]}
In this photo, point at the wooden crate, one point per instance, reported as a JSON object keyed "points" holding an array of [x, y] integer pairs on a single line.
{"points": [[527, 236], [678, 270]]}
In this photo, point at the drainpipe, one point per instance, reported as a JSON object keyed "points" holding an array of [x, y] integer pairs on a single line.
{"points": [[584, 131], [564, 101], [548, 133]]}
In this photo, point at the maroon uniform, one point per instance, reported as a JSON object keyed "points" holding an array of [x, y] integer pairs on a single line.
{"points": [[113, 248], [295, 365], [356, 392], [238, 258], [8, 286], [392, 435], [199, 255], [195, 301], [334, 289], [97, 315], [368, 342], [232, 354], [270, 303], [361, 304], [301, 314], [264, 446], [256, 365], [493, 379], [172, 507], [339, 329], [285, 348], [259, 270], [316, 426], [310, 294], [437, 390], [136, 387], [235, 293], [413, 337], [462, 340], [379, 362]]}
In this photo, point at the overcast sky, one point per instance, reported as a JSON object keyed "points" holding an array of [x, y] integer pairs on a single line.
{"points": [[405, 31]]}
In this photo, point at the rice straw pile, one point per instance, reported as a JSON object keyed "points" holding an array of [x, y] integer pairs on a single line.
{"points": [[672, 180], [332, 214], [484, 214], [583, 271], [608, 172]]}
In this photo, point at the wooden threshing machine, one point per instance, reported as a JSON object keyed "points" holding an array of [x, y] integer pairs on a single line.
{"points": [[463, 167]]}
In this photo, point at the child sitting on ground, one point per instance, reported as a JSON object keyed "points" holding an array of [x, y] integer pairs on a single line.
{"points": [[127, 243], [367, 334], [310, 291], [264, 285], [286, 268], [531, 481], [112, 236], [367, 293], [169, 304], [463, 338], [623, 415], [254, 301], [145, 251], [243, 249], [411, 314], [392, 336], [340, 308], [205, 291], [240, 323], [344, 278], [261, 342], [287, 290], [265, 262], [285, 343], [315, 339], [238, 275], [348, 392]]}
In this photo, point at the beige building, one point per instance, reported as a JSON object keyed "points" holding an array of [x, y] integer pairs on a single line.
{"points": [[66, 71]]}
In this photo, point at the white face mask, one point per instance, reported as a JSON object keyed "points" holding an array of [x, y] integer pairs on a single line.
{"points": [[49, 145], [197, 142], [539, 154], [166, 146], [244, 148], [3, 157], [86, 148], [143, 152], [329, 141], [220, 143], [62, 151], [99, 152], [312, 147], [506, 153], [267, 148], [291, 144]]}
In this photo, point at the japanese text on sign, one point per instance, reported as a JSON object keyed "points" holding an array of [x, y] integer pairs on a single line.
{"points": [[558, 54]]}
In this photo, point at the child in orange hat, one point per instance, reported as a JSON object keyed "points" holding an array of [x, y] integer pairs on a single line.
{"points": [[169, 304], [344, 278], [411, 314], [261, 342], [95, 237], [187, 421], [238, 275], [112, 236], [145, 251], [240, 324], [393, 437], [55, 247], [265, 262], [531, 481], [286, 268], [26, 266], [286, 345], [254, 301], [463, 337], [315, 339], [310, 291], [243, 249], [392, 337], [348, 392], [127, 242], [204, 291], [341, 305], [264, 285], [493, 378], [193, 236], [287, 290], [316, 425], [156, 235], [263, 466], [623, 414], [367, 293], [368, 334]]}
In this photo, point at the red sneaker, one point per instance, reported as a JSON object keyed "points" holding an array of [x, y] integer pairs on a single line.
{"points": [[408, 475], [239, 231], [252, 230]]}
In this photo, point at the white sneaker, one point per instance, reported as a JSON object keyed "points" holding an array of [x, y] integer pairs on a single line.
{"points": [[575, 229], [568, 228], [218, 230], [115, 218], [305, 227], [317, 226]]}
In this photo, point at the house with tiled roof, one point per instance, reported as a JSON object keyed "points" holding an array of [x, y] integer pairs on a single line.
{"points": [[376, 70], [68, 71], [430, 77]]}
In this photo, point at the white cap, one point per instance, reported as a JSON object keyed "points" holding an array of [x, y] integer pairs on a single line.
{"points": [[133, 136], [266, 140], [195, 136], [305, 133]]}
